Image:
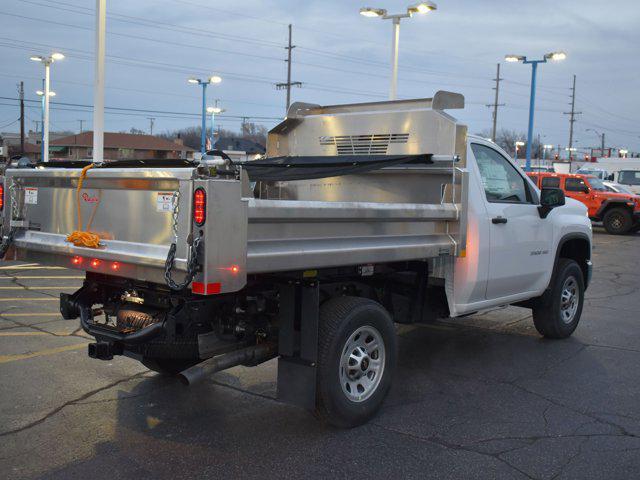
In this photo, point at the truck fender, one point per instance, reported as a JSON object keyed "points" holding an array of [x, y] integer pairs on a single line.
{"points": [[610, 203]]}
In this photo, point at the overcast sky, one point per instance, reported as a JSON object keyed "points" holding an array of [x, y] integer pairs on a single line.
{"points": [[153, 46]]}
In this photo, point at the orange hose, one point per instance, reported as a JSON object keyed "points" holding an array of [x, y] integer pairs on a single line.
{"points": [[80, 238]]}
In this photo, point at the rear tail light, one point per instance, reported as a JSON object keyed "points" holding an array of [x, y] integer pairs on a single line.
{"points": [[95, 263], [76, 261], [199, 206], [115, 266], [1, 196]]}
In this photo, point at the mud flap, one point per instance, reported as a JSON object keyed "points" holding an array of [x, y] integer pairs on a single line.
{"points": [[298, 344]]}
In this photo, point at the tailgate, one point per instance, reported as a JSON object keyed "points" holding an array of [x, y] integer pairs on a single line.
{"points": [[132, 209]]}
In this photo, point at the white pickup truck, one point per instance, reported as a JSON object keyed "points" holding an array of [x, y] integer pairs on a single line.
{"points": [[361, 215]]}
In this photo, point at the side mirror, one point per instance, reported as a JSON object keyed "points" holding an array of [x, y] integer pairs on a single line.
{"points": [[610, 177], [550, 198], [585, 189]]}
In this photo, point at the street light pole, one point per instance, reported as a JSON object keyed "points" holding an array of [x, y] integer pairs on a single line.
{"points": [[532, 98], [46, 93], [203, 124], [422, 7]]}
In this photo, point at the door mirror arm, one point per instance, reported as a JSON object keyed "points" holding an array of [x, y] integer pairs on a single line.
{"points": [[550, 198]]}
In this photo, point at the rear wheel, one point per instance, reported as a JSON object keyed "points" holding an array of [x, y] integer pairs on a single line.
{"points": [[356, 360], [557, 313], [617, 221]]}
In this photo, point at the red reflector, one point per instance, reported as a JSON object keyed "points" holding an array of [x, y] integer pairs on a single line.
{"points": [[208, 289], [115, 266], [234, 269], [199, 206], [95, 263], [1, 195], [76, 260]]}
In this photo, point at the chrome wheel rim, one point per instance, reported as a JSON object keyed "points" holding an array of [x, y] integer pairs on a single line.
{"points": [[569, 299], [362, 364], [616, 222]]}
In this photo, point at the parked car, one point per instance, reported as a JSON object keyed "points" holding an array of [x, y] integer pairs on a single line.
{"points": [[617, 187], [599, 173], [618, 212], [539, 168], [630, 179]]}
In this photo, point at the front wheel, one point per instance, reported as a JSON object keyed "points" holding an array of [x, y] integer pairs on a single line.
{"points": [[617, 221], [356, 360], [557, 313]]}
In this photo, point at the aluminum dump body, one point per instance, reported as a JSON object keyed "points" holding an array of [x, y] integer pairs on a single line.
{"points": [[403, 212]]}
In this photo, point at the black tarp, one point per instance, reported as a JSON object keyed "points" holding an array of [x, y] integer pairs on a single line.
{"points": [[309, 167]]}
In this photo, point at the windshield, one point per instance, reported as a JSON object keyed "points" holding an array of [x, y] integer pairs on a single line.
{"points": [[590, 171], [597, 184]]}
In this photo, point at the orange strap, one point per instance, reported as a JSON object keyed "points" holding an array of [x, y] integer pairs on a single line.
{"points": [[81, 238]]}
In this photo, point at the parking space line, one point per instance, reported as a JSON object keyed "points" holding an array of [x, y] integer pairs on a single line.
{"points": [[32, 267], [42, 277], [27, 299], [28, 314], [33, 334], [8, 267], [27, 287], [41, 353]]}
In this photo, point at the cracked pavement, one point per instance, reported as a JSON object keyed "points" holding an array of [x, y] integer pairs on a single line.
{"points": [[479, 397]]}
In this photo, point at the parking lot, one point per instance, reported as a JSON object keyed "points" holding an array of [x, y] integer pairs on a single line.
{"points": [[478, 397]]}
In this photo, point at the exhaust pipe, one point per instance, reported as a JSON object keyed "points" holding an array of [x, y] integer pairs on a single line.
{"points": [[255, 353]]}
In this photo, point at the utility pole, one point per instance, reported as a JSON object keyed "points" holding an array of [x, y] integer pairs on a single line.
{"points": [[81, 122], [289, 83], [495, 103], [21, 92], [151, 120], [572, 115]]}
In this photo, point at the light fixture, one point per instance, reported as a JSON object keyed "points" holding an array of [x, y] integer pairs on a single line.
{"points": [[40, 93], [214, 110], [422, 7], [514, 58], [520, 144], [373, 12], [36, 58], [193, 80], [57, 56], [556, 56], [548, 147], [215, 79]]}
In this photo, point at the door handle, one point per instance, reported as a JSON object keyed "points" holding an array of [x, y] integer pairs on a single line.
{"points": [[497, 220]]}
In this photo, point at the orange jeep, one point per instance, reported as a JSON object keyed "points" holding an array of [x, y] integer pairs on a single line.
{"points": [[618, 212]]}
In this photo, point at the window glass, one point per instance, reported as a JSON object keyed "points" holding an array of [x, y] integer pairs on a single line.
{"points": [[553, 182], [574, 184], [501, 180], [629, 177], [597, 184]]}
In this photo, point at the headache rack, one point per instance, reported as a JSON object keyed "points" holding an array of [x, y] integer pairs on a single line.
{"points": [[341, 185]]}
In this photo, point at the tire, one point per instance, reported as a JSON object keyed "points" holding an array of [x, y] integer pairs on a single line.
{"points": [[557, 313], [167, 366], [617, 221], [347, 397], [635, 228]]}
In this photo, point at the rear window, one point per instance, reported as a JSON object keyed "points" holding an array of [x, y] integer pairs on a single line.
{"points": [[629, 177], [553, 182]]}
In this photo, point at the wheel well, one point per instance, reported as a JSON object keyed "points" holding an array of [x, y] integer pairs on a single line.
{"points": [[577, 249], [612, 205]]}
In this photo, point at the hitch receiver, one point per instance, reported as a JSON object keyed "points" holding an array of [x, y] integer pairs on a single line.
{"points": [[103, 350]]}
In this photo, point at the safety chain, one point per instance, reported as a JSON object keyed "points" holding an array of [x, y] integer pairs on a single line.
{"points": [[15, 215], [192, 262]]}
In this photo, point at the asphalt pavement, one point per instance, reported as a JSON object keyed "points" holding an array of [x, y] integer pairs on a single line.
{"points": [[478, 397]]}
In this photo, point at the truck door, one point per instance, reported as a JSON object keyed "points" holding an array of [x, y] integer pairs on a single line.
{"points": [[520, 254], [576, 187]]}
